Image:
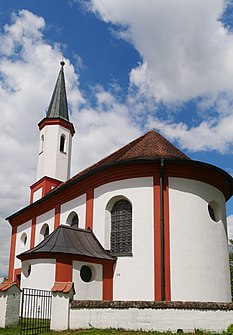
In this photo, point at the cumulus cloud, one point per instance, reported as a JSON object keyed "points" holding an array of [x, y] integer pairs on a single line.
{"points": [[185, 50], [186, 53], [29, 66]]}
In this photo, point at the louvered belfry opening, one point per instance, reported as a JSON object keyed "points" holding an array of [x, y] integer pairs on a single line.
{"points": [[121, 228]]}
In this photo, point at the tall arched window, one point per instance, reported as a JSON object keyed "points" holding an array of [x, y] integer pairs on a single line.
{"points": [[121, 228], [41, 144], [62, 143], [73, 220]]}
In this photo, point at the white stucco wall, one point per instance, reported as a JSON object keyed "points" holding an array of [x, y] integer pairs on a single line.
{"points": [[151, 319], [48, 218], [20, 247], [3, 299], [60, 310], [37, 194], [77, 205], [133, 276], [52, 162], [42, 274], [91, 290], [198, 245]]}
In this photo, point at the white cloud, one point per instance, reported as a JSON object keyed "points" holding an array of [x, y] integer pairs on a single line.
{"points": [[186, 53], [185, 49], [29, 67]]}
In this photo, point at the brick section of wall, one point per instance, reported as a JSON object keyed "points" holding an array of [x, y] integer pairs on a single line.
{"points": [[152, 304]]}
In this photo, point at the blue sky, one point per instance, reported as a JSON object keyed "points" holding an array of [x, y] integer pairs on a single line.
{"points": [[131, 66]]}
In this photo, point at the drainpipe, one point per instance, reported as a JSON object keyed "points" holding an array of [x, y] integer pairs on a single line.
{"points": [[161, 183]]}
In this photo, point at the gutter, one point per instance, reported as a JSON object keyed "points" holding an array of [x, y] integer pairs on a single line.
{"points": [[161, 184]]}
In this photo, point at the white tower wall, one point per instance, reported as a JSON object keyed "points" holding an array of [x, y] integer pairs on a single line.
{"points": [[198, 245], [52, 162]]}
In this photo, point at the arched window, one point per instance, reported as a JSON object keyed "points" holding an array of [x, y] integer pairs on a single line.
{"points": [[62, 143], [44, 232], [73, 220], [121, 228], [41, 144]]}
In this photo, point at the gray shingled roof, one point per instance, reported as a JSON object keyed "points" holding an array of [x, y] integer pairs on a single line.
{"points": [[58, 107], [69, 240]]}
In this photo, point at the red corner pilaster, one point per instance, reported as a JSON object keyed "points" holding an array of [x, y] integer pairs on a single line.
{"points": [[157, 240], [63, 269], [33, 232], [57, 216], [108, 280], [17, 274], [89, 208], [12, 254]]}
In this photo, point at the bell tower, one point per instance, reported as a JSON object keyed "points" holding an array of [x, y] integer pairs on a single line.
{"points": [[56, 134]]}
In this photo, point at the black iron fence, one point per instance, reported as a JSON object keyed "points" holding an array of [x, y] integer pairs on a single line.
{"points": [[35, 311]]}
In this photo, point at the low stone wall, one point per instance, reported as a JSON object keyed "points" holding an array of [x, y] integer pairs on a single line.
{"points": [[145, 315]]}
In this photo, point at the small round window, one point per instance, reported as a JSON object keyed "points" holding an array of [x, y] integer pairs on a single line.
{"points": [[214, 211], [26, 268], [23, 239], [86, 273]]}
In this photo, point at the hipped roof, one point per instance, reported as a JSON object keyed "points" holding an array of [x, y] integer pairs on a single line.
{"points": [[151, 145], [69, 240]]}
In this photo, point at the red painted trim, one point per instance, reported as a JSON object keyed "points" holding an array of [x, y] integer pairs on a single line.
{"points": [[100, 178], [63, 269], [17, 273], [46, 183], [108, 281], [89, 208], [121, 172], [167, 241], [12, 254], [157, 240], [65, 257], [56, 121], [57, 216], [33, 232]]}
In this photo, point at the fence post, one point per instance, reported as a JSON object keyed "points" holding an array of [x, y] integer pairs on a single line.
{"points": [[9, 304], [62, 294]]}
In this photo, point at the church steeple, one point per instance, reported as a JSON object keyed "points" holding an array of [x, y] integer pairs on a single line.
{"points": [[58, 107], [56, 134]]}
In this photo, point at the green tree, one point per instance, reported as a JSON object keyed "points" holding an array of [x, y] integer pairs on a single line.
{"points": [[231, 264]]}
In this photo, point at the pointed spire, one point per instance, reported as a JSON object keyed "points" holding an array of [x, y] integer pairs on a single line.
{"points": [[58, 107]]}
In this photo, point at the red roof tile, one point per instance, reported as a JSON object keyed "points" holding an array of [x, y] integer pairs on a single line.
{"points": [[149, 145], [4, 286], [64, 287]]}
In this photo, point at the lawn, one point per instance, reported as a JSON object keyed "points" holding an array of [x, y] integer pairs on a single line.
{"points": [[16, 331]]}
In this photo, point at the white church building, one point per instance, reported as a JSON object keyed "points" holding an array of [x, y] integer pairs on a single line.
{"points": [[146, 223]]}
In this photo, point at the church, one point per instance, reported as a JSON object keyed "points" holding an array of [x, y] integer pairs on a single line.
{"points": [[146, 223]]}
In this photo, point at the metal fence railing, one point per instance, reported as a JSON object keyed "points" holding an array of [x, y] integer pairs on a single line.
{"points": [[35, 311]]}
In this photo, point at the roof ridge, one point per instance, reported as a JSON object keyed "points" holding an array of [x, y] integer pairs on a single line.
{"points": [[127, 147]]}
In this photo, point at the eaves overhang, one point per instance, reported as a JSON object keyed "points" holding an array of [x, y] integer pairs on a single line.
{"points": [[182, 163]]}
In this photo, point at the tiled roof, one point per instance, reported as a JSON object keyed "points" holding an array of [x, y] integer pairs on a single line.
{"points": [[69, 240], [151, 145], [4, 286], [64, 287]]}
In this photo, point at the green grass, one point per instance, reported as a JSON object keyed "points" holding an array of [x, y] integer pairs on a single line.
{"points": [[16, 331]]}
